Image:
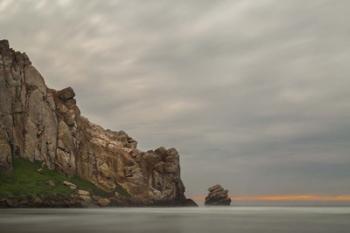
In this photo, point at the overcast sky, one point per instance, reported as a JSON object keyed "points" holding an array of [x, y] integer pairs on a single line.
{"points": [[254, 94]]}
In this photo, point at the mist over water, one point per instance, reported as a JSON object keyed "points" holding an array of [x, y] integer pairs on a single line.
{"points": [[178, 220]]}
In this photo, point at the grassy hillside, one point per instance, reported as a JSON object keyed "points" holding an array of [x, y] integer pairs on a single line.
{"points": [[26, 180]]}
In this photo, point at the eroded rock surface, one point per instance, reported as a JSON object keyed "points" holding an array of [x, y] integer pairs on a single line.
{"points": [[217, 196], [42, 124]]}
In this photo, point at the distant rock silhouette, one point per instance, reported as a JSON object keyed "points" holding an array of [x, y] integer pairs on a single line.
{"points": [[217, 196]]}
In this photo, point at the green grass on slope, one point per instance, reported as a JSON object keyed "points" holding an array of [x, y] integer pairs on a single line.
{"points": [[25, 180]]}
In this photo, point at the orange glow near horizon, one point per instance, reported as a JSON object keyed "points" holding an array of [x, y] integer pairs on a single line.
{"points": [[285, 198]]}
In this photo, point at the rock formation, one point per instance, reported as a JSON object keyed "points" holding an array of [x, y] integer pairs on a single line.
{"points": [[42, 124], [217, 196]]}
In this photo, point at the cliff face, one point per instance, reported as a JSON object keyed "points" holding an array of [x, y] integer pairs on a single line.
{"points": [[42, 124]]}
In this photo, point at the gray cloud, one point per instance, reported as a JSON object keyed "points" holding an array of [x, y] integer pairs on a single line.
{"points": [[254, 94]]}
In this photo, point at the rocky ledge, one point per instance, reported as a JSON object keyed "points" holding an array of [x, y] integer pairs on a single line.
{"points": [[42, 124], [217, 196]]}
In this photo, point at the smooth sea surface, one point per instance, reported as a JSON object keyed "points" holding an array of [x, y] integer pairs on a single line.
{"points": [[176, 220]]}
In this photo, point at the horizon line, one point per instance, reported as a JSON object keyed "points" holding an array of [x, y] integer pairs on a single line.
{"points": [[286, 198]]}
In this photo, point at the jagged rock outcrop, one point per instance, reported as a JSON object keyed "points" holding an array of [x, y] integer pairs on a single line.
{"points": [[42, 124], [217, 196]]}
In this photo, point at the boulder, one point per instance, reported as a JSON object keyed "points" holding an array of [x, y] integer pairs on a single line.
{"points": [[85, 198], [103, 202], [66, 94], [83, 192], [70, 185], [217, 196], [51, 183], [84, 195]]}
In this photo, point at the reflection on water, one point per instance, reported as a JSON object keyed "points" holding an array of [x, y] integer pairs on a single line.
{"points": [[176, 220]]}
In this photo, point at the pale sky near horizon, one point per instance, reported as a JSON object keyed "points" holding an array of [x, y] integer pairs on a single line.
{"points": [[254, 94]]}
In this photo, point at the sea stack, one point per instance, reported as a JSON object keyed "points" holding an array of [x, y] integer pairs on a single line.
{"points": [[217, 196]]}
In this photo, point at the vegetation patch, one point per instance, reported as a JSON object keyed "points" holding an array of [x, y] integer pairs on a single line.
{"points": [[123, 192], [29, 179]]}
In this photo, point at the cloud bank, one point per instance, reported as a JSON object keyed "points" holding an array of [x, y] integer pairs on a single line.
{"points": [[255, 95]]}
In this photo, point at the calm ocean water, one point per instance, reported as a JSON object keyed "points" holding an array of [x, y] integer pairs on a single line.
{"points": [[176, 220]]}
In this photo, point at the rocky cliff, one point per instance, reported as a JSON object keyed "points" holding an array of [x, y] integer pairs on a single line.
{"points": [[42, 124]]}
